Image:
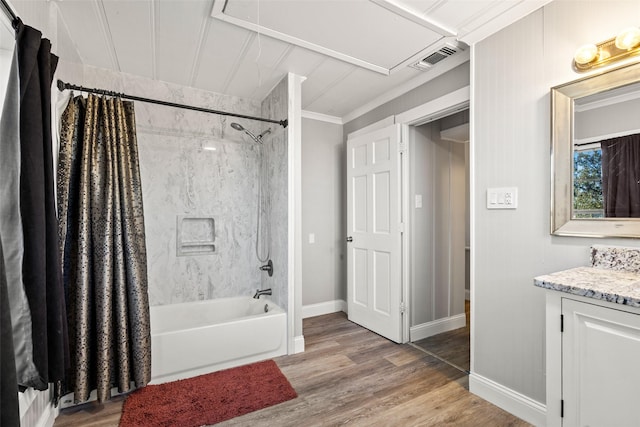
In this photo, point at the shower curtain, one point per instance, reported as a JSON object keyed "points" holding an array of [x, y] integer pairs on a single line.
{"points": [[32, 297], [102, 243], [621, 176]]}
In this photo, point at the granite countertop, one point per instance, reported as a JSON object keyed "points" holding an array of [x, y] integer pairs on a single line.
{"points": [[618, 286]]}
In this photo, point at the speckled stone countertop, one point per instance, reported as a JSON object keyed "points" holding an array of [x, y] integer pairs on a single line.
{"points": [[618, 286]]}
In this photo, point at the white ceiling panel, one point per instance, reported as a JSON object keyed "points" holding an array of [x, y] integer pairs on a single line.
{"points": [[300, 61], [326, 75], [129, 21], [477, 12], [221, 51], [351, 27], [177, 45], [354, 87], [87, 27], [353, 53], [257, 66]]}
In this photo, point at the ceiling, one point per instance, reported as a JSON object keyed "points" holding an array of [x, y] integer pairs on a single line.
{"points": [[352, 52]]}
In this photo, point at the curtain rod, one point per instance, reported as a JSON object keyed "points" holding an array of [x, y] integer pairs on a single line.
{"points": [[10, 14], [62, 86]]}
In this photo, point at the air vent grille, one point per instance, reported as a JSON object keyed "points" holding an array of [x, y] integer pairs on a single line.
{"points": [[434, 58], [445, 51]]}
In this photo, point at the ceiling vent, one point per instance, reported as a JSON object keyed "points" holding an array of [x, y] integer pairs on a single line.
{"points": [[444, 50]]}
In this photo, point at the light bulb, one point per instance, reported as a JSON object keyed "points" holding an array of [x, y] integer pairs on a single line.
{"points": [[585, 54], [628, 38]]}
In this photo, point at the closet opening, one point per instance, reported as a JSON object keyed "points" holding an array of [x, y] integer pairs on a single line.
{"points": [[439, 253]]}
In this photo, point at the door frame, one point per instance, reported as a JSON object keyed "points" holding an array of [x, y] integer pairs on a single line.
{"points": [[438, 108]]}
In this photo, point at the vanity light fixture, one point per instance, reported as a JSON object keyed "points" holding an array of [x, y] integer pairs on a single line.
{"points": [[624, 45]]}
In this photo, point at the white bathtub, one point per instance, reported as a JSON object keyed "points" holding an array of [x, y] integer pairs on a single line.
{"points": [[196, 338]]}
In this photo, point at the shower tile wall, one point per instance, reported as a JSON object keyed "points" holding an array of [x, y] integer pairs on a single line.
{"points": [[182, 178], [275, 106]]}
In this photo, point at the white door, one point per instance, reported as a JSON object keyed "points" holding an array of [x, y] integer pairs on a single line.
{"points": [[374, 283]]}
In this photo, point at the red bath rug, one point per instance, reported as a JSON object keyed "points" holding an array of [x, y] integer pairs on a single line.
{"points": [[208, 399]]}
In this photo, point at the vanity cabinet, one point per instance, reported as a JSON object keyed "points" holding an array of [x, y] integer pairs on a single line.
{"points": [[593, 341], [593, 348], [600, 351]]}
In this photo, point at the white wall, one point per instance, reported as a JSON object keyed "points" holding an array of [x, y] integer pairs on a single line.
{"points": [[513, 71], [323, 193], [619, 118]]}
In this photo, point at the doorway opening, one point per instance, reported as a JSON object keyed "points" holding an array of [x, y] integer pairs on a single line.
{"points": [[439, 192]]}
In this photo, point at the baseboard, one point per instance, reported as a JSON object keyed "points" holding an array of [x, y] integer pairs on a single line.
{"points": [[511, 401], [321, 308], [426, 330], [298, 344]]}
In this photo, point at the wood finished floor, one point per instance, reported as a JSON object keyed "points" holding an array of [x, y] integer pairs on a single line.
{"points": [[452, 346], [351, 376]]}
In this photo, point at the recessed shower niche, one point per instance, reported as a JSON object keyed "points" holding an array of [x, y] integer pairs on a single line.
{"points": [[195, 235]]}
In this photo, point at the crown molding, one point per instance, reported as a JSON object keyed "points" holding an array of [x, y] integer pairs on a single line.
{"points": [[311, 115]]}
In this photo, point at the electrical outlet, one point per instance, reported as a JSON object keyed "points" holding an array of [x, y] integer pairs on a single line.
{"points": [[502, 198]]}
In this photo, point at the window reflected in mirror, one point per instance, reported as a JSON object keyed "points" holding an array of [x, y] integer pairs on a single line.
{"points": [[587, 182]]}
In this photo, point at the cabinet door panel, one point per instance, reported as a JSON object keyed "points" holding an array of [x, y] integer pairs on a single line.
{"points": [[600, 350]]}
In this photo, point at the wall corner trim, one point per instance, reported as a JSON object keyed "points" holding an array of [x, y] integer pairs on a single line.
{"points": [[321, 308], [36, 408], [511, 401], [298, 346]]}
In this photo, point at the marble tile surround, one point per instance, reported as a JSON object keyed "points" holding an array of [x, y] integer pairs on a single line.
{"points": [[180, 178], [275, 106]]}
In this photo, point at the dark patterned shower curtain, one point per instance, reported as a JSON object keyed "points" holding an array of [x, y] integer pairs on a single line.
{"points": [[102, 243]]}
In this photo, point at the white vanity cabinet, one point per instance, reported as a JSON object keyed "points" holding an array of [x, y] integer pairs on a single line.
{"points": [[593, 341], [593, 349]]}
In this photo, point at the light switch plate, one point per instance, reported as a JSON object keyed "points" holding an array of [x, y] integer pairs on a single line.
{"points": [[502, 198]]}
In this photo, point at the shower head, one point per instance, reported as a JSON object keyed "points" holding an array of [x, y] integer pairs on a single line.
{"points": [[264, 133], [258, 139]]}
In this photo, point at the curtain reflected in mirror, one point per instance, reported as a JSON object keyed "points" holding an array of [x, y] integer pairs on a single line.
{"points": [[606, 178], [621, 177]]}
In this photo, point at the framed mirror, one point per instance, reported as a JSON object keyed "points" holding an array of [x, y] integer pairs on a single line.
{"points": [[595, 155]]}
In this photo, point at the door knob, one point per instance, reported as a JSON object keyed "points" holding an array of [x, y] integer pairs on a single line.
{"points": [[349, 239]]}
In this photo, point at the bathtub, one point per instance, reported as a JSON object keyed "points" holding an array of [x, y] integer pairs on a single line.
{"points": [[195, 338]]}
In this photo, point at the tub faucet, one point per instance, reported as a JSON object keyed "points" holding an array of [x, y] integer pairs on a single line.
{"points": [[262, 292]]}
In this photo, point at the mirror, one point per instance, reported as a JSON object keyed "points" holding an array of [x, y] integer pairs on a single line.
{"points": [[595, 133]]}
